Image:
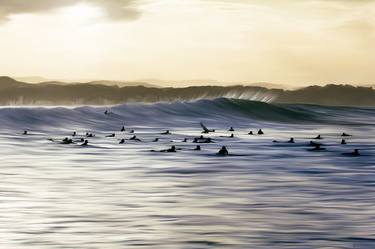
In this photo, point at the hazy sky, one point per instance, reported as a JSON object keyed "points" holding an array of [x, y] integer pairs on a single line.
{"points": [[295, 42]]}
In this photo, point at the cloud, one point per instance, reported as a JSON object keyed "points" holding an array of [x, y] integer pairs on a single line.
{"points": [[114, 9]]}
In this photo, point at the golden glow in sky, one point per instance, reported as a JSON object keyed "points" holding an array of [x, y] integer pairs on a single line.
{"points": [[281, 41]]}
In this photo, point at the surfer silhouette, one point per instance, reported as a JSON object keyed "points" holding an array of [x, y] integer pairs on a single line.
{"points": [[89, 134], [223, 151], [134, 138], [67, 141], [122, 141], [343, 141], [198, 147], [85, 143], [167, 132], [205, 129], [231, 129], [260, 132]]}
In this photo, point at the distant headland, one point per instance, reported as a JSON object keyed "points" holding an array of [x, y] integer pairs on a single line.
{"points": [[13, 92]]}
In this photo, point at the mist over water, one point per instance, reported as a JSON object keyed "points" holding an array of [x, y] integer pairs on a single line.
{"points": [[111, 195]]}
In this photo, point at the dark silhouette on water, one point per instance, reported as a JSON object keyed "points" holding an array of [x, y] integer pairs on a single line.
{"points": [[122, 141], [85, 143], [260, 132], [67, 141], [185, 140], [74, 134], [202, 140], [111, 135], [198, 147], [345, 135], [250, 133], [156, 140], [205, 129], [167, 132], [231, 129], [172, 149], [343, 141], [291, 140], [231, 135], [89, 134], [318, 137], [25, 133], [123, 129], [223, 151], [134, 138], [132, 131]]}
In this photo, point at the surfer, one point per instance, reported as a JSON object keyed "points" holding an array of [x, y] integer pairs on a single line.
{"points": [[111, 135], [250, 133], [132, 131], [67, 141], [167, 132], [202, 140], [185, 140], [89, 134], [291, 140], [106, 112], [122, 141], [123, 129], [134, 138], [85, 143], [318, 137], [260, 132], [223, 151], [205, 129], [345, 135], [198, 147], [74, 134], [231, 129], [25, 133], [172, 149], [343, 141], [231, 135], [156, 140]]}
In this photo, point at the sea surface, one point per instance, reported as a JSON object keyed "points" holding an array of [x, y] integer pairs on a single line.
{"points": [[264, 195]]}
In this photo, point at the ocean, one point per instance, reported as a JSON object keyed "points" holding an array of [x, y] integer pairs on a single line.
{"points": [[267, 193]]}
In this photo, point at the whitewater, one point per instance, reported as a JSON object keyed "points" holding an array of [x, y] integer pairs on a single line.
{"points": [[265, 194]]}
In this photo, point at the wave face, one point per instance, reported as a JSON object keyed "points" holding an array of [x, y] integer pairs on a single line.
{"points": [[229, 111]]}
